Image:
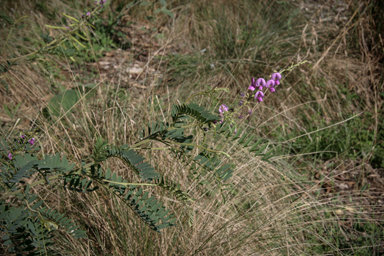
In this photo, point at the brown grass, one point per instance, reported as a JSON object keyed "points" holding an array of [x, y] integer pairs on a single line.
{"points": [[268, 211]]}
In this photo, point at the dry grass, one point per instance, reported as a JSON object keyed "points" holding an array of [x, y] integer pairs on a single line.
{"points": [[269, 210]]}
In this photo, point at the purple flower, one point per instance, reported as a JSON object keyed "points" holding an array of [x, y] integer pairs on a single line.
{"points": [[66, 27], [252, 87], [250, 112], [270, 83], [260, 83], [276, 76], [101, 2], [223, 108], [88, 14], [259, 94], [23, 136], [241, 103], [32, 141], [242, 95], [235, 132], [214, 121], [240, 116], [9, 155], [272, 89]]}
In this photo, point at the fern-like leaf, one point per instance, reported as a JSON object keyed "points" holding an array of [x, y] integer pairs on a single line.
{"points": [[24, 231], [55, 220], [146, 207], [246, 141], [211, 162], [149, 209], [174, 189], [100, 150], [193, 110], [135, 161]]}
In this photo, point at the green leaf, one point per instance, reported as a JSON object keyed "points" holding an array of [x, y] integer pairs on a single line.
{"points": [[108, 174], [62, 103], [145, 3], [165, 11], [255, 145], [37, 205]]}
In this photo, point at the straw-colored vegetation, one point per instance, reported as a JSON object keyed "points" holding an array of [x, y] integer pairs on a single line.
{"points": [[321, 193]]}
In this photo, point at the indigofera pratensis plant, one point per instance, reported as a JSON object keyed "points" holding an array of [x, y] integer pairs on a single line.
{"points": [[27, 223]]}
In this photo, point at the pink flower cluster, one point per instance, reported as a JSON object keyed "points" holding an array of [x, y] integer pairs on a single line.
{"points": [[23, 137], [223, 108], [101, 2], [31, 141], [260, 84]]}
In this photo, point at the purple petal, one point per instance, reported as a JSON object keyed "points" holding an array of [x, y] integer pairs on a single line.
{"points": [[259, 99], [223, 108], [251, 87], [259, 94], [260, 82], [276, 76], [250, 112], [9, 155], [277, 82], [32, 141], [242, 95], [253, 82], [241, 103], [272, 89], [270, 83]]}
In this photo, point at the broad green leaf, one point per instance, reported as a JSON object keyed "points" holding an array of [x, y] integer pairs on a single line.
{"points": [[62, 103]]}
